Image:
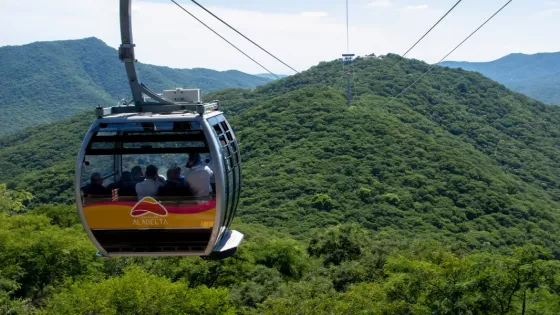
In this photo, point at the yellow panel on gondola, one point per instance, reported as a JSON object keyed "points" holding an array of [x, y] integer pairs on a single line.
{"points": [[149, 213]]}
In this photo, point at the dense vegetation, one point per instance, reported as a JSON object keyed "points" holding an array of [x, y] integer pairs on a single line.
{"points": [[445, 201], [537, 76], [47, 266], [46, 81]]}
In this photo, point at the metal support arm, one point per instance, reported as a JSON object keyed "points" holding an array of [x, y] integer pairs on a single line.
{"points": [[126, 55]]}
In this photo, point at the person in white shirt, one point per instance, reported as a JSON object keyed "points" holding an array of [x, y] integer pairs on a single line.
{"points": [[149, 187], [198, 176]]}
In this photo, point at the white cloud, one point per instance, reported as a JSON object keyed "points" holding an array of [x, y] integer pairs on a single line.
{"points": [[417, 7], [314, 14], [380, 4]]}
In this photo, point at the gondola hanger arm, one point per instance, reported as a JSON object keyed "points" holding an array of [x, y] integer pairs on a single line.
{"points": [[127, 56]]}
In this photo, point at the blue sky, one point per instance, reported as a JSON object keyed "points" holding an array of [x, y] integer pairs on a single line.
{"points": [[300, 32]]}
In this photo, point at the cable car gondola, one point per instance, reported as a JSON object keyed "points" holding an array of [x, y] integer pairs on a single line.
{"points": [[171, 135]]}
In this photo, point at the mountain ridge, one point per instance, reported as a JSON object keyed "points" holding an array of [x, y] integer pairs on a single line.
{"points": [[45, 81], [536, 75], [270, 76]]}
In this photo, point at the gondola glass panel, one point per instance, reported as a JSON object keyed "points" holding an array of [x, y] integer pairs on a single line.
{"points": [[130, 209], [231, 161]]}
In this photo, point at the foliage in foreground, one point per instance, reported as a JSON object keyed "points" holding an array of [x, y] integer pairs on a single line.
{"points": [[345, 269], [139, 292]]}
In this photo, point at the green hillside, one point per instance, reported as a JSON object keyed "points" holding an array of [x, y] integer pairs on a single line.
{"points": [[445, 201], [460, 158], [46, 81], [537, 76]]}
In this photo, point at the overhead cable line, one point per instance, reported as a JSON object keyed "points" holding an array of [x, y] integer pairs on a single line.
{"points": [[452, 51], [347, 30], [227, 41], [426, 34], [247, 38]]}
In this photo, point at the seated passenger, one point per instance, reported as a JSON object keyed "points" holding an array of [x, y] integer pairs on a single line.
{"points": [[210, 164], [174, 185], [198, 176], [126, 186], [149, 187], [95, 187], [137, 174]]}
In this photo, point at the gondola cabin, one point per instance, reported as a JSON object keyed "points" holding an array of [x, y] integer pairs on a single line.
{"points": [[160, 184]]}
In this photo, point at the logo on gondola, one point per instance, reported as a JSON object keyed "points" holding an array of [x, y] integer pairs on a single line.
{"points": [[148, 205]]}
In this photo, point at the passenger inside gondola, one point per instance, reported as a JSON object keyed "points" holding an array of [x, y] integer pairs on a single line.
{"points": [[198, 176], [137, 174], [210, 164], [150, 186], [126, 185], [95, 187], [174, 186]]}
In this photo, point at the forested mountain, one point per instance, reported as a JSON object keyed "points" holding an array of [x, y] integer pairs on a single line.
{"points": [[46, 81], [270, 76], [443, 201], [537, 76]]}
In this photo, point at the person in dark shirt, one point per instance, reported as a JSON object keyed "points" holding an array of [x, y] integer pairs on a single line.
{"points": [[174, 186], [95, 187], [137, 174], [126, 186]]}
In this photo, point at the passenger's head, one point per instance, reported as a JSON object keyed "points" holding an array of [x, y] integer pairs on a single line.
{"points": [[151, 171], [174, 173], [96, 178], [126, 176], [136, 173], [194, 159]]}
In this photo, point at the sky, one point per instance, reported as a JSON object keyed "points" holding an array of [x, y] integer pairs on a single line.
{"points": [[300, 32]]}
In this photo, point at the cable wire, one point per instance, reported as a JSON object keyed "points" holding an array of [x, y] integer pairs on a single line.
{"points": [[452, 51], [347, 31], [426, 34], [227, 41], [247, 38]]}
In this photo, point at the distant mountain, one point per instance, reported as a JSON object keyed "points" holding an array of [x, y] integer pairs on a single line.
{"points": [[46, 81], [537, 76], [270, 76]]}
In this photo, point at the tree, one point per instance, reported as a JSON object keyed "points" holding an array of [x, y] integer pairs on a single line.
{"points": [[284, 255], [13, 201], [37, 255], [340, 243], [138, 292]]}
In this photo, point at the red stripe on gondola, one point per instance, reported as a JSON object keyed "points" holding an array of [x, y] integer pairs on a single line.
{"points": [[190, 209], [202, 207]]}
